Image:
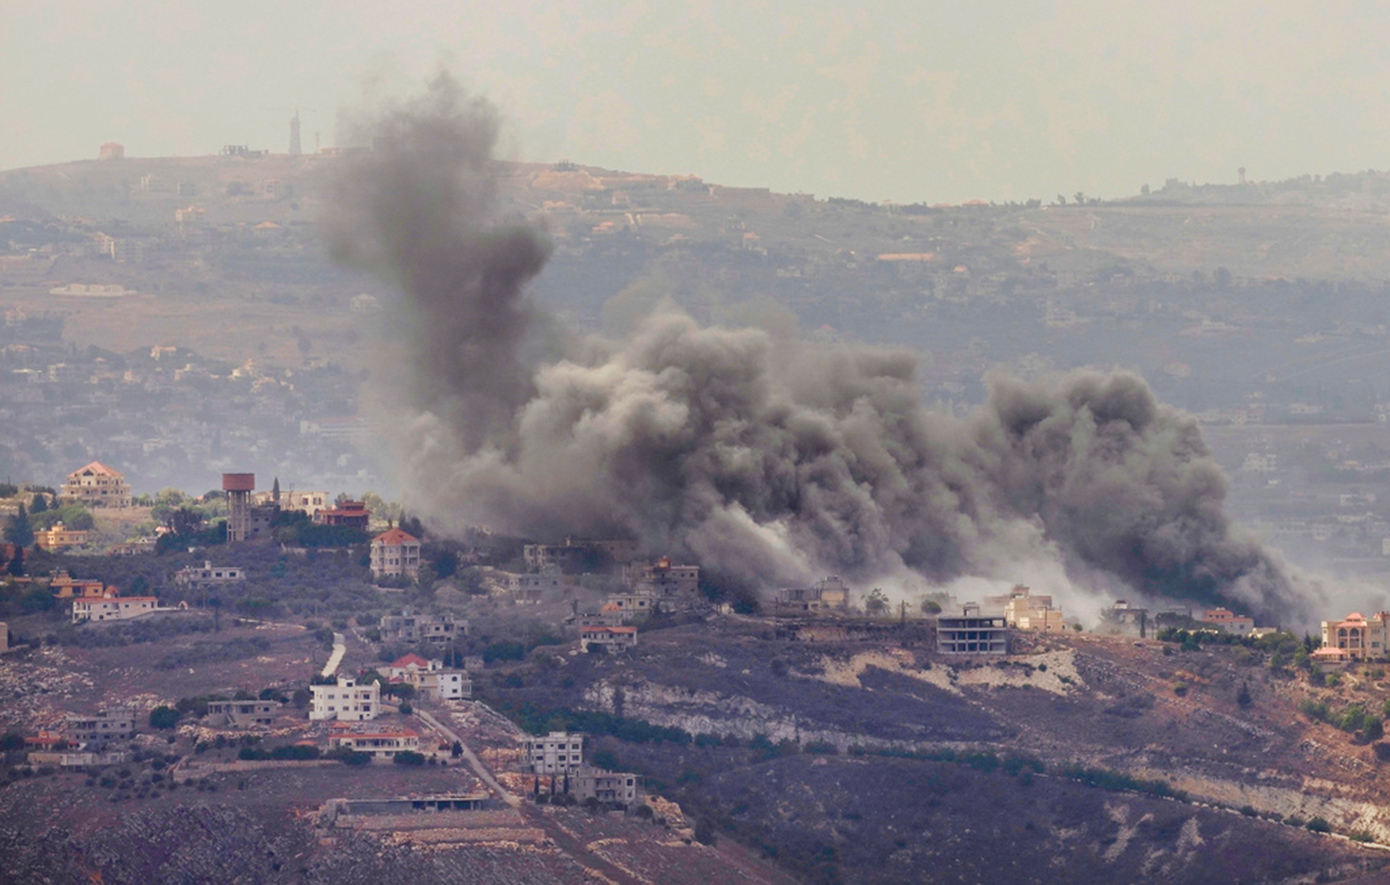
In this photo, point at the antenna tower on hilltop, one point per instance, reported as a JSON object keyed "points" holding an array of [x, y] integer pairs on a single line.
{"points": [[294, 135]]}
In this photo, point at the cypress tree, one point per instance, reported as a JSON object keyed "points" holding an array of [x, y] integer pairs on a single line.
{"points": [[19, 532]]}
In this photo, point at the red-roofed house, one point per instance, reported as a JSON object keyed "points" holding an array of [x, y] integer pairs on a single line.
{"points": [[395, 553], [608, 638], [349, 513], [95, 485], [430, 678], [1229, 621], [1360, 637]]}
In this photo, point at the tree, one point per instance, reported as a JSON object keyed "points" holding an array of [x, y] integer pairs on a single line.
{"points": [[1243, 696], [40, 503], [16, 566], [1373, 730], [164, 717], [275, 491], [19, 532], [876, 603]]}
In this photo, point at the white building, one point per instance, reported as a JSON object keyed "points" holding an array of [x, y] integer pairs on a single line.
{"points": [[608, 638], [556, 753], [383, 744], [345, 700], [208, 575], [431, 678], [112, 608]]}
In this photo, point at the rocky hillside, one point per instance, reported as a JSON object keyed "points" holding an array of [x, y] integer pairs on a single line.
{"points": [[1080, 758]]}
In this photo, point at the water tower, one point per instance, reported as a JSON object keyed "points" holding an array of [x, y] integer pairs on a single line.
{"points": [[238, 487]]}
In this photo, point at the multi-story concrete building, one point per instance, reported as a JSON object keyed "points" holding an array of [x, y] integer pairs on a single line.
{"points": [[394, 554], [559, 752], [528, 588], [436, 629], [60, 537], [1229, 622], [95, 485], [1355, 637], [308, 502], [569, 557], [827, 595], [109, 724], [1028, 611], [607, 638], [663, 579], [608, 787], [972, 633], [64, 586], [113, 608], [345, 701], [208, 575]]}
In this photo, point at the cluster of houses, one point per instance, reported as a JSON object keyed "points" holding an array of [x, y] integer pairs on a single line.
{"points": [[559, 756]]}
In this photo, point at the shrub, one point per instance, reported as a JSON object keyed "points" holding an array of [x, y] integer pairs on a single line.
{"points": [[1180, 688], [408, 757], [1361, 836], [1318, 825], [164, 717]]}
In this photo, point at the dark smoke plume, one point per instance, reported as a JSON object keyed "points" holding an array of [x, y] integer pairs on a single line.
{"points": [[771, 460]]}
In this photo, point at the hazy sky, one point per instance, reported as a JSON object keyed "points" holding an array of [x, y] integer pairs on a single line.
{"points": [[905, 100]]}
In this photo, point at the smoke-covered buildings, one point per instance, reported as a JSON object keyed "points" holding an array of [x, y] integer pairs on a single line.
{"points": [[825, 596], [663, 579], [1026, 611], [972, 633]]}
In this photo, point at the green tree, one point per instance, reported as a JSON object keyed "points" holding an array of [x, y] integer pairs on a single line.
{"points": [[1243, 696], [1373, 729], [164, 717], [19, 532], [40, 503], [876, 603]]}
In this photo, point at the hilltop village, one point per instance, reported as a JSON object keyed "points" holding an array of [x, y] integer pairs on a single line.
{"points": [[464, 693], [196, 663]]}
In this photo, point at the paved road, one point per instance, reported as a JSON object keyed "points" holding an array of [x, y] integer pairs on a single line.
{"points": [[473, 761], [339, 649]]}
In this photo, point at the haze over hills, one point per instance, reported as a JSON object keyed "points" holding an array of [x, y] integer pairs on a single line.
{"points": [[235, 343], [1252, 306]]}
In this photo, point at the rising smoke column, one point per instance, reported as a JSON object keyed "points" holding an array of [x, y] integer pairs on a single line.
{"points": [[769, 459]]}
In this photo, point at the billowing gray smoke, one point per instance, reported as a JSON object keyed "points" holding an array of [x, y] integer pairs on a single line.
{"points": [[769, 459]]}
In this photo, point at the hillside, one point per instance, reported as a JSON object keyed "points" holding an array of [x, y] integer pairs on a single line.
{"points": [[847, 752]]}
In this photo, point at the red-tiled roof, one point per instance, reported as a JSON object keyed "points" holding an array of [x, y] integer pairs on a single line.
{"points": [[407, 660], [395, 538], [97, 468]]}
